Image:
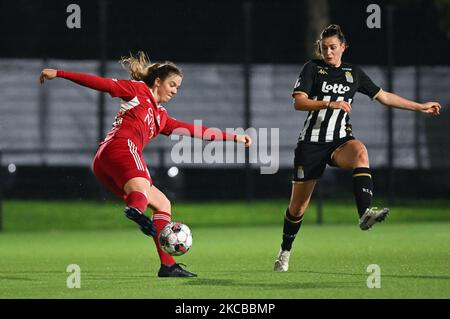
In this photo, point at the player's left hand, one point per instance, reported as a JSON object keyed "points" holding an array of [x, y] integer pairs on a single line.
{"points": [[433, 108], [245, 139]]}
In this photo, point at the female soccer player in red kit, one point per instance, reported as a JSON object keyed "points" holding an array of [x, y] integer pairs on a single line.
{"points": [[118, 163]]}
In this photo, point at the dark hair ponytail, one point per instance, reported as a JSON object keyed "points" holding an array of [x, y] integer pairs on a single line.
{"points": [[330, 31]]}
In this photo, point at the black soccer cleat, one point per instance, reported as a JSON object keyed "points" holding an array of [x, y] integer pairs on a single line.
{"points": [[145, 223], [174, 271]]}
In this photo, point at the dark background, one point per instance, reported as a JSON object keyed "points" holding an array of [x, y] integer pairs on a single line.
{"points": [[212, 31]]}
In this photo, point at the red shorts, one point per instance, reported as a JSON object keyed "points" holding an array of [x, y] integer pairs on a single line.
{"points": [[118, 161]]}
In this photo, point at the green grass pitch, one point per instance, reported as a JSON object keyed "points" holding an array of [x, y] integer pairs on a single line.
{"points": [[233, 252]]}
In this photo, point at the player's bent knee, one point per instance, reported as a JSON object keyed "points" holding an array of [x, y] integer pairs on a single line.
{"points": [[296, 211], [362, 160], [137, 184]]}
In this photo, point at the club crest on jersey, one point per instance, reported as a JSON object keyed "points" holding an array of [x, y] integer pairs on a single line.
{"points": [[349, 76], [335, 88], [322, 71]]}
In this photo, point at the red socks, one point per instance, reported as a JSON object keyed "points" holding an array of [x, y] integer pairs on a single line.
{"points": [[137, 200], [161, 219]]}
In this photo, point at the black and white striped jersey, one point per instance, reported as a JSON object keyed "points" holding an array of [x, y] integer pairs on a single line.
{"points": [[319, 81]]}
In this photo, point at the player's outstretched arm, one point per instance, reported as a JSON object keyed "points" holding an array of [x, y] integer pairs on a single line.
{"points": [[394, 100], [91, 81], [203, 132]]}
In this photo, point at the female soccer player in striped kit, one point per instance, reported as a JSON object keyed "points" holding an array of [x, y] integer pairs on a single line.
{"points": [[118, 163], [325, 88]]}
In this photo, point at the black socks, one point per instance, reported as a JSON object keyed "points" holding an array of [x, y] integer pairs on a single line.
{"points": [[290, 229], [362, 188]]}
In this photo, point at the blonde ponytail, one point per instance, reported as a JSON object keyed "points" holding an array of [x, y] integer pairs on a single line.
{"points": [[139, 66], [141, 69]]}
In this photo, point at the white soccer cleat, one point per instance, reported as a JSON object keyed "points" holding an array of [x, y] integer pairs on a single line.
{"points": [[371, 216], [282, 261]]}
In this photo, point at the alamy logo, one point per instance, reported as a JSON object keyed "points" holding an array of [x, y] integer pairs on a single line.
{"points": [[335, 88], [73, 21], [74, 279], [264, 149], [374, 279]]}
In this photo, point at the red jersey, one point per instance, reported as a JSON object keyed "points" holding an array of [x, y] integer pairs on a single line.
{"points": [[140, 118]]}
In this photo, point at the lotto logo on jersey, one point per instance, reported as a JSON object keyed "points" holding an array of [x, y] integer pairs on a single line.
{"points": [[335, 88]]}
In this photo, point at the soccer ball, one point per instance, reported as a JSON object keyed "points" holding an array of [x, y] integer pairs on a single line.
{"points": [[175, 239]]}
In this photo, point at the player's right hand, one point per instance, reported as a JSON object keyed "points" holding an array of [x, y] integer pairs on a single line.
{"points": [[47, 74], [345, 106]]}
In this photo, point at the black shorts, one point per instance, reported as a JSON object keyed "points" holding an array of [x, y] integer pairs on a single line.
{"points": [[311, 158]]}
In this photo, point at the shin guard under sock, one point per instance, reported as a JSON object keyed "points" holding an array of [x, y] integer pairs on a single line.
{"points": [[137, 200], [161, 219]]}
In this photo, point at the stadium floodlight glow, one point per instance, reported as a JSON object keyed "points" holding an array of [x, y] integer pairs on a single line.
{"points": [[173, 171], [12, 168]]}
